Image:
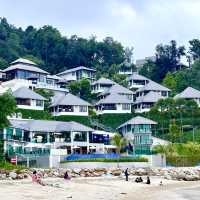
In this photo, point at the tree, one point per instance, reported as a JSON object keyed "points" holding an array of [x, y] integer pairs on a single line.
{"points": [[7, 107], [174, 132], [119, 142], [170, 82], [167, 58], [47, 94], [195, 48], [149, 70], [81, 88], [120, 79]]}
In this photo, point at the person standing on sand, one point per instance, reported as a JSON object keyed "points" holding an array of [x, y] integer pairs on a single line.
{"points": [[148, 180], [126, 174]]}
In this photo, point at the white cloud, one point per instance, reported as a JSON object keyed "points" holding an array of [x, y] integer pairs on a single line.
{"points": [[124, 11]]}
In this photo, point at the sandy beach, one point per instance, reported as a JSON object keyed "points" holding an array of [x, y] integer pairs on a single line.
{"points": [[99, 189]]}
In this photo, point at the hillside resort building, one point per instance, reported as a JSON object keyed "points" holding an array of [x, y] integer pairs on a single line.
{"points": [[78, 73], [138, 131], [36, 137], [189, 94]]}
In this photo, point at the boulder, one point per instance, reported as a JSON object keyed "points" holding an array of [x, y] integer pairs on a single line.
{"points": [[13, 175]]}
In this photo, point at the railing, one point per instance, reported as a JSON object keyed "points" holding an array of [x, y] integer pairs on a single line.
{"points": [[101, 126]]}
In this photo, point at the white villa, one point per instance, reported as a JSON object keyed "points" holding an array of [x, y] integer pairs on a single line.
{"points": [[102, 85], [69, 105], [190, 94], [23, 72], [149, 94], [78, 73], [144, 103], [117, 89], [36, 137], [136, 81], [114, 103], [28, 99]]}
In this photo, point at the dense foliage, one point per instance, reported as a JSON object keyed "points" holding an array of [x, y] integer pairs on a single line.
{"points": [[7, 108], [54, 52], [181, 154], [34, 114]]}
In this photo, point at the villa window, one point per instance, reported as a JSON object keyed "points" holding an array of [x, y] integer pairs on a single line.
{"points": [[39, 103], [82, 108], [109, 107], [26, 102], [80, 136], [164, 93], [125, 106], [67, 108]]}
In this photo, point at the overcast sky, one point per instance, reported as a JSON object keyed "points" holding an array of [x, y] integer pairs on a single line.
{"points": [[138, 23]]}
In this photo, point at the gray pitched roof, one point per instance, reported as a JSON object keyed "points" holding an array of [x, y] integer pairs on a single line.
{"points": [[48, 126], [76, 69], [153, 86], [188, 93], [136, 76], [150, 97], [104, 81], [55, 77], [24, 64], [26, 93], [69, 99], [138, 120], [117, 89], [22, 60], [114, 98]]}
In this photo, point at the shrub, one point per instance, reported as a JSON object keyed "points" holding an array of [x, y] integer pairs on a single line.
{"points": [[122, 159]]}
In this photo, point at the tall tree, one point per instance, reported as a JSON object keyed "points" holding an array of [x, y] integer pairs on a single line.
{"points": [[195, 48], [168, 58]]}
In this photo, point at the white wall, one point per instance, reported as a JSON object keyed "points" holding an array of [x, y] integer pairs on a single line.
{"points": [[68, 76]]}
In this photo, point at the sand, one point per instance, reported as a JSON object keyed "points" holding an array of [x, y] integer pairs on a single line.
{"points": [[99, 189]]}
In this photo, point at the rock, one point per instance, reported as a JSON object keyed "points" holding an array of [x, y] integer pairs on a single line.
{"points": [[76, 171], [3, 176], [116, 172], [13, 175]]}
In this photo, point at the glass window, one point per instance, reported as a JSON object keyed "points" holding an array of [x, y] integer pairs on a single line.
{"points": [[164, 93], [82, 108], [125, 106], [39, 103]]}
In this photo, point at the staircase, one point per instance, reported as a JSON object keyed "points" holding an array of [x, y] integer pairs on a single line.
{"points": [[95, 123]]}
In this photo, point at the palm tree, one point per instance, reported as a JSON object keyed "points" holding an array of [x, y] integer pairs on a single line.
{"points": [[119, 142]]}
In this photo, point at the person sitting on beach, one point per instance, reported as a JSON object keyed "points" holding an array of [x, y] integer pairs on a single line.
{"points": [[140, 179], [137, 180], [66, 176], [148, 180], [37, 179]]}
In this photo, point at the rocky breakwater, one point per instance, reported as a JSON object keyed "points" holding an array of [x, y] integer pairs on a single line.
{"points": [[182, 174]]}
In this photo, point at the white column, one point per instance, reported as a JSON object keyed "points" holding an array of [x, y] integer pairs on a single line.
{"points": [[72, 141], [88, 142]]}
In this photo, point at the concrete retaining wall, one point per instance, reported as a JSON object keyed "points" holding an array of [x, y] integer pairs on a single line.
{"points": [[93, 165]]}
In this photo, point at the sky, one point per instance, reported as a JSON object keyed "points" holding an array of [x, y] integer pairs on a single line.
{"points": [[141, 24]]}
